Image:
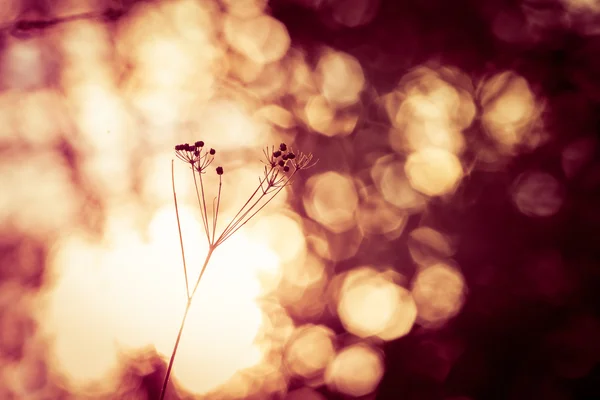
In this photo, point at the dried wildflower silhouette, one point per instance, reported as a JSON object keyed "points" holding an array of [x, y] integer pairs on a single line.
{"points": [[282, 164]]}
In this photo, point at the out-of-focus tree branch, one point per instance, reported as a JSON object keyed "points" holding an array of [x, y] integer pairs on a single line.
{"points": [[25, 26]]}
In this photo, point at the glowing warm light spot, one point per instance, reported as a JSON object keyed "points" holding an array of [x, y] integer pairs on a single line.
{"points": [[283, 234], [86, 50], [353, 13], [356, 371], [427, 133], [439, 292], [586, 6], [22, 65], [509, 109], [391, 181], [331, 200], [377, 216], [426, 245], [302, 83], [370, 304], [433, 171], [172, 70], [37, 117], [245, 8], [262, 39], [320, 115], [428, 111], [104, 297], [163, 62], [341, 78], [42, 198], [102, 117], [537, 194], [310, 350], [302, 273], [277, 115], [235, 126]]}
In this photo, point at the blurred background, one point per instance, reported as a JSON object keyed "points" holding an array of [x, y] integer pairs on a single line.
{"points": [[446, 245]]}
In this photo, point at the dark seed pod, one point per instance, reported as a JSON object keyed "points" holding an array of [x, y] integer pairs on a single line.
{"points": [[212, 152], [281, 163], [286, 168], [277, 154], [219, 170], [199, 143], [282, 147]]}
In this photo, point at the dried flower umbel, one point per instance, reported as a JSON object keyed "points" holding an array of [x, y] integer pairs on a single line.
{"points": [[282, 164]]}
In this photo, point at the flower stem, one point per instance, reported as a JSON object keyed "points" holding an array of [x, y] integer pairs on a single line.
{"points": [[163, 391]]}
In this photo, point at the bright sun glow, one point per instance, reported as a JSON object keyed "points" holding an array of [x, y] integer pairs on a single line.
{"points": [[128, 293]]}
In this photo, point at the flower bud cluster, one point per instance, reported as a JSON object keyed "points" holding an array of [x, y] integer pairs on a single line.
{"points": [[196, 155]]}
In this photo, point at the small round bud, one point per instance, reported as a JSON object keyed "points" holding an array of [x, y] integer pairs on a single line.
{"points": [[199, 143], [286, 168], [219, 170], [186, 147], [179, 147], [277, 154], [284, 157], [281, 163], [282, 147], [291, 156], [192, 148], [197, 153], [212, 152]]}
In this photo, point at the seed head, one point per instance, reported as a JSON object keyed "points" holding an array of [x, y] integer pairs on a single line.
{"points": [[212, 152], [277, 154], [284, 157], [219, 170], [199, 143], [281, 163], [286, 168], [291, 156], [282, 147]]}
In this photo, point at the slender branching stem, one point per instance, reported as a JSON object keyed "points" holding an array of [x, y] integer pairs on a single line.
{"points": [[211, 249], [216, 213], [190, 297], [239, 212], [204, 205], [242, 221], [274, 181], [201, 202], [163, 390], [187, 285]]}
